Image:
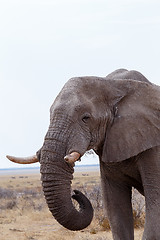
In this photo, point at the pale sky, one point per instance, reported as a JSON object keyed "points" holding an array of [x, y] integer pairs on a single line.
{"points": [[43, 43]]}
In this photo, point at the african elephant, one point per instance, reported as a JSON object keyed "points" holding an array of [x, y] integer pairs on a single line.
{"points": [[119, 117]]}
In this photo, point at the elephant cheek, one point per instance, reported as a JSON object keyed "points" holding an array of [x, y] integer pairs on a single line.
{"points": [[79, 143]]}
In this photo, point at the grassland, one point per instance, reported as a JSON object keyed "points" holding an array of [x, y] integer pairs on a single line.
{"points": [[25, 216]]}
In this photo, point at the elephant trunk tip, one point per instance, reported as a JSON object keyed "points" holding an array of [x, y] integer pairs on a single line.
{"points": [[85, 209]]}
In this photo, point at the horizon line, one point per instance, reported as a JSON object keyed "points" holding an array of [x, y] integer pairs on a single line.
{"points": [[17, 168]]}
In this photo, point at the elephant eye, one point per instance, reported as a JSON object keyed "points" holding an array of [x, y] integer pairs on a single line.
{"points": [[85, 118]]}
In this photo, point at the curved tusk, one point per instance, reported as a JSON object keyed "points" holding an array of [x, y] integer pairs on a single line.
{"points": [[25, 160], [72, 157]]}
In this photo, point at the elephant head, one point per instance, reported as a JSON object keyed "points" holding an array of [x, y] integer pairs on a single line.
{"points": [[113, 117]]}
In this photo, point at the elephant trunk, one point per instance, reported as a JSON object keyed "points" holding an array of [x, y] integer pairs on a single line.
{"points": [[56, 176]]}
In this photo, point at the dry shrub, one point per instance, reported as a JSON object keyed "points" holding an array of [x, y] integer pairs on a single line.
{"points": [[11, 204], [138, 204], [94, 193], [7, 193], [105, 224], [22, 200]]}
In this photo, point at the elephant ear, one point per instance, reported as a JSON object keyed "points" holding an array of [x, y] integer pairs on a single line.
{"points": [[136, 126]]}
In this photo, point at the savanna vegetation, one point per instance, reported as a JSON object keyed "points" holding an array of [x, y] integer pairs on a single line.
{"points": [[24, 214]]}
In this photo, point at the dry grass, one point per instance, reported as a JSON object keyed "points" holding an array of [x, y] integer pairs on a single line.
{"points": [[24, 214]]}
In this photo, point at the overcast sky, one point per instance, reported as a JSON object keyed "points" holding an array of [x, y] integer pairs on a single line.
{"points": [[44, 43]]}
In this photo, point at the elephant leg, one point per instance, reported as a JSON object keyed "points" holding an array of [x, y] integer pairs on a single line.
{"points": [[117, 201], [149, 165]]}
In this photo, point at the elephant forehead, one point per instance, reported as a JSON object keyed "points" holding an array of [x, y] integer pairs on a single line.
{"points": [[84, 94], [69, 100], [89, 85], [66, 101]]}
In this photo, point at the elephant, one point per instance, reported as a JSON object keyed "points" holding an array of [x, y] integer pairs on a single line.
{"points": [[118, 116]]}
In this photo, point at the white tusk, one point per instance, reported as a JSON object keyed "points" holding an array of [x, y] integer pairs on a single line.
{"points": [[25, 160], [73, 157]]}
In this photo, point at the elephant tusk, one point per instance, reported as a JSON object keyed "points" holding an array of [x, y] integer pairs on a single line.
{"points": [[72, 157], [25, 160]]}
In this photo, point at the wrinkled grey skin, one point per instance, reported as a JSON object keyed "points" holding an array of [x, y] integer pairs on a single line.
{"points": [[118, 117]]}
